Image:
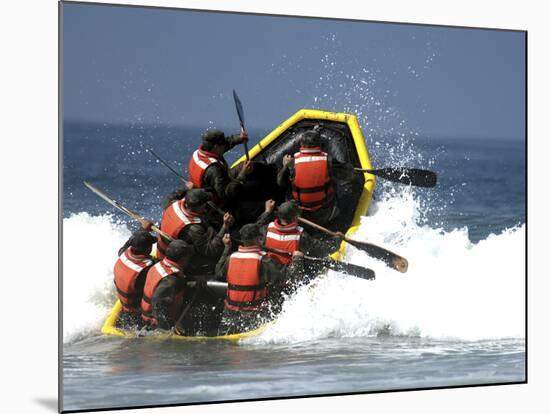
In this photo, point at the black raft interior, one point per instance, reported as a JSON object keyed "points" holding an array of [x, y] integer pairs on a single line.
{"points": [[261, 185]]}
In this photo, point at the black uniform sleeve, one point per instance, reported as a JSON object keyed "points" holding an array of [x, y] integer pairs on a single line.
{"points": [[341, 172], [231, 141], [221, 266], [265, 218], [286, 175], [311, 246], [271, 271], [274, 273], [219, 180], [163, 300], [205, 240]]}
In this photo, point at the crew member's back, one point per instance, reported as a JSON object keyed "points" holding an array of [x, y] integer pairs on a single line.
{"points": [[130, 271], [307, 175]]}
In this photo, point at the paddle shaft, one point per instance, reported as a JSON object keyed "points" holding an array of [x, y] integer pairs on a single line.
{"points": [[348, 268], [319, 227], [245, 144], [211, 204], [168, 166], [125, 210], [391, 259], [404, 175], [240, 114]]}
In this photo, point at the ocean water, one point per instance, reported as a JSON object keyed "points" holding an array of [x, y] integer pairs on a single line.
{"points": [[457, 317]]}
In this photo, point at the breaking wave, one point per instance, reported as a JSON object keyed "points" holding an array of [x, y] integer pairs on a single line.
{"points": [[453, 288]]}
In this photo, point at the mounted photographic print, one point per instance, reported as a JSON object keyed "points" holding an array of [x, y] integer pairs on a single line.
{"points": [[260, 206]]}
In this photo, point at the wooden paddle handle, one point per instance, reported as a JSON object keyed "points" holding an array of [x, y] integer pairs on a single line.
{"points": [[163, 234], [136, 216], [317, 226], [401, 264]]}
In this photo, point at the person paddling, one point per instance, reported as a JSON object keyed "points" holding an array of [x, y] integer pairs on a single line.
{"points": [[165, 287], [184, 219], [130, 269], [209, 170], [250, 274], [286, 235], [307, 176]]}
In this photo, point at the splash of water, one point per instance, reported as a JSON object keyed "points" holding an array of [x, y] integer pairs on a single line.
{"points": [[90, 246], [454, 289]]}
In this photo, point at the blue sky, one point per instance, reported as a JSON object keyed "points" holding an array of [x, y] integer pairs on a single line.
{"points": [[177, 67]]}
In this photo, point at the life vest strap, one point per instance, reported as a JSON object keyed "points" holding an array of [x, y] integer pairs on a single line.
{"points": [[316, 203], [307, 190], [132, 299], [129, 298], [246, 288]]}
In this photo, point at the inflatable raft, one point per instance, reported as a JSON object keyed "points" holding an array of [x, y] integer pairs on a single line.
{"points": [[342, 138]]}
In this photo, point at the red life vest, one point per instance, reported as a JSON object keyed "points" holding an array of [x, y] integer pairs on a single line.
{"points": [[283, 237], [174, 219], [244, 290], [198, 164], [158, 272], [126, 271], [311, 186]]}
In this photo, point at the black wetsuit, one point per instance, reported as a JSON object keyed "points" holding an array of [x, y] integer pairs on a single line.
{"points": [[208, 246], [164, 301]]}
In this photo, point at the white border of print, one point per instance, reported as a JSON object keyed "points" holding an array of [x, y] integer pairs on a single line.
{"points": [[29, 169]]}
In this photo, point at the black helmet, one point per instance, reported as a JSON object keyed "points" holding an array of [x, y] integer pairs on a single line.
{"points": [[141, 242], [178, 249], [213, 137], [310, 139], [197, 198], [288, 211], [250, 232]]}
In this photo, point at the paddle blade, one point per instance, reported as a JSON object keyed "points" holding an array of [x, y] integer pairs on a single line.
{"points": [[351, 269], [407, 176], [391, 259], [239, 107]]}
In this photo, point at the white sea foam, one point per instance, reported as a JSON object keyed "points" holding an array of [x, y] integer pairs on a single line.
{"points": [[90, 246], [453, 288]]}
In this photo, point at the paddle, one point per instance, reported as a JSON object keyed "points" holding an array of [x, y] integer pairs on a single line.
{"points": [[188, 184], [168, 166], [347, 268], [240, 113], [403, 175], [391, 259], [217, 287], [125, 210]]}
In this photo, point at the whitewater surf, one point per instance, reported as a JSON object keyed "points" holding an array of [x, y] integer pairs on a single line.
{"points": [[454, 289]]}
